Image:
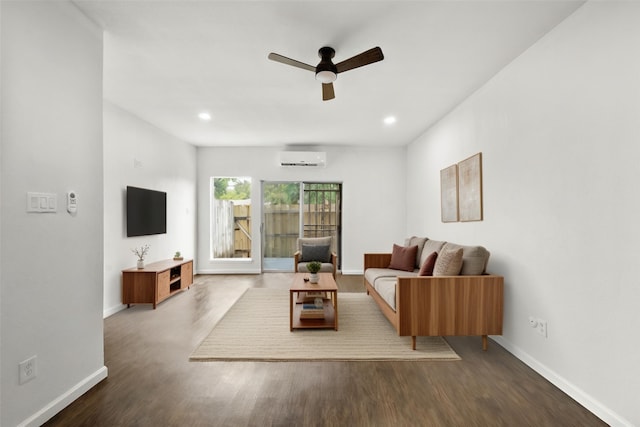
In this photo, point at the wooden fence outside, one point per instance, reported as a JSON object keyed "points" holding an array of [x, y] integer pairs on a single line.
{"points": [[242, 231], [281, 228], [232, 230]]}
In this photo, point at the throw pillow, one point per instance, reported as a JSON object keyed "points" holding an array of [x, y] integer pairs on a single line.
{"points": [[427, 266], [448, 263], [403, 258], [315, 253]]}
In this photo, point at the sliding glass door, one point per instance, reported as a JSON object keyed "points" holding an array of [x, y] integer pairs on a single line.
{"points": [[293, 209], [280, 224]]}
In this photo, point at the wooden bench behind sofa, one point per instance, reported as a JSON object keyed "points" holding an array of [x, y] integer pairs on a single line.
{"points": [[441, 306]]}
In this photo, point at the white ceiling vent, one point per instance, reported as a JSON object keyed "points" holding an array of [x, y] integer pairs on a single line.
{"points": [[316, 159]]}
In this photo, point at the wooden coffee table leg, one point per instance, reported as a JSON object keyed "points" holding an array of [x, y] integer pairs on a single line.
{"points": [[291, 311], [335, 307]]}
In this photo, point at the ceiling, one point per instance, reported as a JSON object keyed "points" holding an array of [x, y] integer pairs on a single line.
{"points": [[167, 61]]}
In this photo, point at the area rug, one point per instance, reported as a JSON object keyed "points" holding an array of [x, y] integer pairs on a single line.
{"points": [[257, 328]]}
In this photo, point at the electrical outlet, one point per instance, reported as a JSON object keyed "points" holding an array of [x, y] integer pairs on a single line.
{"points": [[28, 369], [542, 327], [539, 325]]}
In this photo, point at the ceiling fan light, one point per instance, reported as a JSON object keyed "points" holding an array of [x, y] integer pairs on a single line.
{"points": [[326, 76]]}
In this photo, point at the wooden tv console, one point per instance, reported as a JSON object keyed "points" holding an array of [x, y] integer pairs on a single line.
{"points": [[156, 281]]}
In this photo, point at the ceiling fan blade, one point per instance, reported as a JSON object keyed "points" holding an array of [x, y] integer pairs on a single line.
{"points": [[365, 58], [327, 91], [289, 61]]}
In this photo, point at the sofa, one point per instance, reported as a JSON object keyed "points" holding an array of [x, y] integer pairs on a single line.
{"points": [[435, 288]]}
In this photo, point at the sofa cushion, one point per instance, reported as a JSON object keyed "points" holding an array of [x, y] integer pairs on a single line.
{"points": [[429, 247], [373, 274], [326, 267], [320, 253], [448, 263], [427, 267], [386, 288], [419, 242], [403, 257], [474, 258]]}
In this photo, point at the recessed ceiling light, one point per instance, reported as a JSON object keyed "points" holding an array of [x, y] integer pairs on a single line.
{"points": [[204, 116], [389, 120]]}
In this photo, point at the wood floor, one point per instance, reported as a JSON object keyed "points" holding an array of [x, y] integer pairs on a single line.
{"points": [[152, 383]]}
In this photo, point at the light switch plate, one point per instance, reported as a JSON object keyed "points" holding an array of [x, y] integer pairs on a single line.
{"points": [[42, 202]]}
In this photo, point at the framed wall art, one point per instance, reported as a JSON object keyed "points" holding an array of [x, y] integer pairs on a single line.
{"points": [[449, 194], [470, 188]]}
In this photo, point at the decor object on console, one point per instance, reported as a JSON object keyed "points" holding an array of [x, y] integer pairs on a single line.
{"points": [[177, 256], [459, 299], [141, 252]]}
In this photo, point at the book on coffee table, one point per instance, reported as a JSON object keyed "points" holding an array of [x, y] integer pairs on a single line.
{"points": [[311, 311], [304, 315]]}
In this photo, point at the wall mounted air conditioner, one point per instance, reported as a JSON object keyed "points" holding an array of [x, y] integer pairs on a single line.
{"points": [[316, 159]]}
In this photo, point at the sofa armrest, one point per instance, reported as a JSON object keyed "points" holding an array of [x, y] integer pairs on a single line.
{"points": [[377, 260], [296, 260], [334, 261], [450, 305]]}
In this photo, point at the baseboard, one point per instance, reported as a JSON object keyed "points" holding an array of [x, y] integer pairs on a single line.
{"points": [[576, 393], [65, 399], [352, 272], [228, 271], [113, 310]]}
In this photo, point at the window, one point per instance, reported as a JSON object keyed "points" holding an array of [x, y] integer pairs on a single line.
{"points": [[230, 217]]}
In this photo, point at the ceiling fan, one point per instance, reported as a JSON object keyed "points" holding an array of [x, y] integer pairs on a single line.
{"points": [[326, 71]]}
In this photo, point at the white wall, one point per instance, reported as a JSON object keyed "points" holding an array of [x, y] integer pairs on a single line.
{"points": [[373, 197], [559, 130], [51, 276], [141, 155]]}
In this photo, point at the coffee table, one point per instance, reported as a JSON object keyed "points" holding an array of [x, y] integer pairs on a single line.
{"points": [[327, 285]]}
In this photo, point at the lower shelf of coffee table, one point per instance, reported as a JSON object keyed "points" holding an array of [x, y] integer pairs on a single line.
{"points": [[329, 321]]}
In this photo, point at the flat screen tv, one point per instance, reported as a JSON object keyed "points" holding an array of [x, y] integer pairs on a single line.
{"points": [[146, 212]]}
